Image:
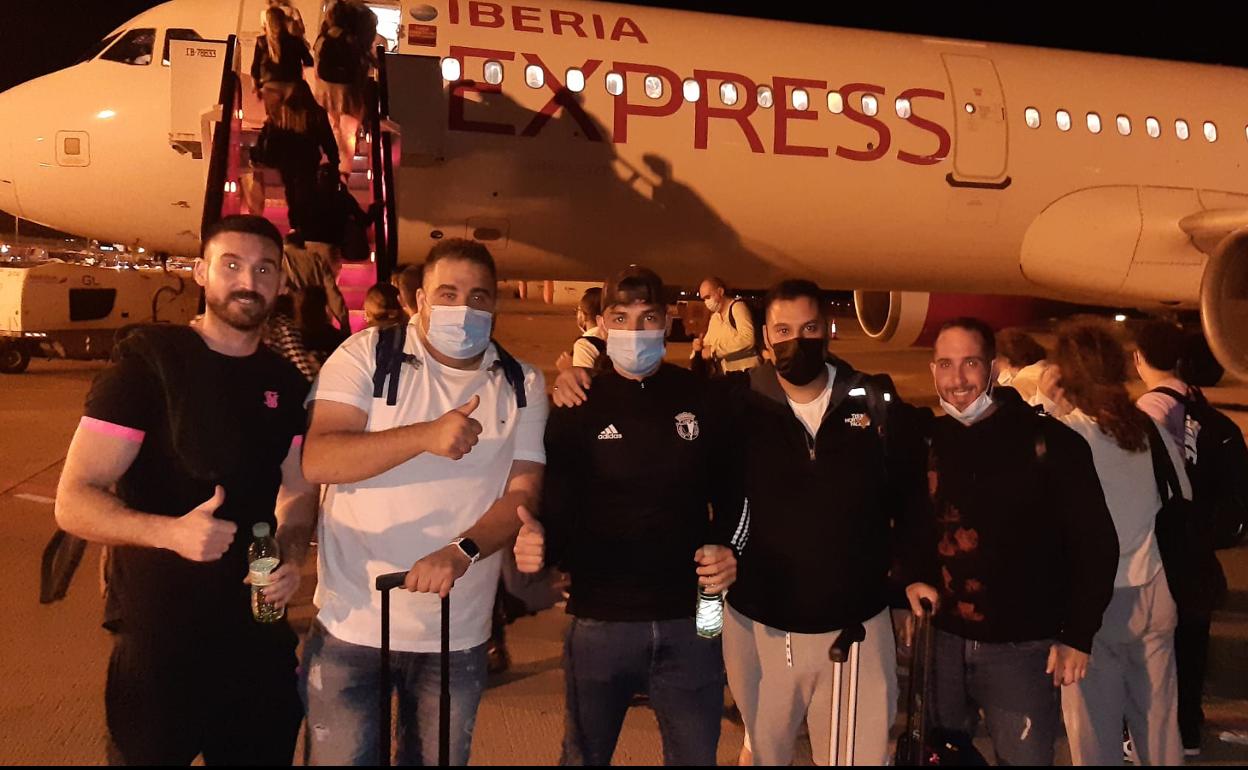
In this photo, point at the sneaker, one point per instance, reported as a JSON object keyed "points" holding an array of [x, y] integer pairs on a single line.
{"points": [[1128, 751], [1234, 736], [498, 659], [1193, 751]]}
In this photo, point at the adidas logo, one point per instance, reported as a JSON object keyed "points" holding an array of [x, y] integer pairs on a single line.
{"points": [[609, 433]]}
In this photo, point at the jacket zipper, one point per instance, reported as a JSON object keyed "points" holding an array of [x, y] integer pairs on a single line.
{"points": [[810, 445]]}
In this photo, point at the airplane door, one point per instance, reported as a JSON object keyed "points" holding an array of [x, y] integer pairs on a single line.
{"points": [[195, 68], [980, 133], [418, 106]]}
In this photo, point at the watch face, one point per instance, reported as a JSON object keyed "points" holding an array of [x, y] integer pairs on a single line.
{"points": [[469, 548]]}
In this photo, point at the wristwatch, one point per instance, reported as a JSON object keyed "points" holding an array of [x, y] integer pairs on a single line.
{"points": [[468, 548]]}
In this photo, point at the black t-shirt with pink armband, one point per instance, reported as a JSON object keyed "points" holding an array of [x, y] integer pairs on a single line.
{"points": [[201, 418]]}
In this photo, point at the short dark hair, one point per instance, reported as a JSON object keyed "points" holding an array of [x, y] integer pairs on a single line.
{"points": [[381, 303], [1019, 348], [591, 302], [1160, 344], [791, 289], [967, 323], [251, 224], [410, 279], [461, 248], [633, 284]]}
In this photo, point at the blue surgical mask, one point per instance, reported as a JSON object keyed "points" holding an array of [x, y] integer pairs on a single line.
{"points": [[459, 331], [637, 354]]}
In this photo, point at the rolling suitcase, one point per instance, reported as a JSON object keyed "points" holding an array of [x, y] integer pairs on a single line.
{"points": [[846, 648], [385, 583], [921, 745]]}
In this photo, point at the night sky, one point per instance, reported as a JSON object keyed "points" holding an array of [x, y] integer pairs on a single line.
{"points": [[39, 36]]}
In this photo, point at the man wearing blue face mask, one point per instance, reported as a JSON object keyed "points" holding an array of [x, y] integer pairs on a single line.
{"points": [[1014, 547], [429, 469], [625, 513]]}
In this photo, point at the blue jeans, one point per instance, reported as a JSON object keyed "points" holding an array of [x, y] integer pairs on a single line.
{"points": [[1021, 706], [607, 662], [341, 682]]}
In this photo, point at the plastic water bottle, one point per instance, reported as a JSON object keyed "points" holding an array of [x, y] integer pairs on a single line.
{"points": [[263, 556], [709, 618]]}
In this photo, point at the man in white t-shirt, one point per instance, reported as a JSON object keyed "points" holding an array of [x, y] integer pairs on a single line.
{"points": [[432, 485]]}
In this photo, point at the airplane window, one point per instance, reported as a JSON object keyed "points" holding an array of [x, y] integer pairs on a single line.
{"points": [[134, 47], [575, 80], [1180, 130], [1124, 125], [728, 93], [869, 104], [175, 33], [692, 89], [534, 76], [970, 108], [654, 86], [1094, 123], [615, 83], [1211, 132], [1063, 120], [1153, 127], [801, 100], [764, 97], [493, 72], [451, 70], [903, 108], [1032, 116], [94, 50], [836, 102]]}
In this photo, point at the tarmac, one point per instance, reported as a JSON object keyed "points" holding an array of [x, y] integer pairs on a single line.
{"points": [[55, 656]]}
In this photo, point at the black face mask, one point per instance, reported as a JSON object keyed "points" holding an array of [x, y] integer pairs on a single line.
{"points": [[800, 360]]}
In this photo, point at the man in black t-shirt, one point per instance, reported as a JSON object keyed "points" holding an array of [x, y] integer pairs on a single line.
{"points": [[624, 510], [190, 438]]}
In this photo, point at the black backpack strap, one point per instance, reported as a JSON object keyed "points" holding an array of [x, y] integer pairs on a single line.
{"points": [[390, 340], [513, 372], [1167, 479], [1172, 393], [732, 321]]}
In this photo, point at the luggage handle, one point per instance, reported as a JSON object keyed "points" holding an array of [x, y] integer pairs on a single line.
{"points": [[844, 648], [385, 584]]}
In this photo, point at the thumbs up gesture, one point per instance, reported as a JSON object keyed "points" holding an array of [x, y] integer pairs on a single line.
{"points": [[455, 433], [200, 535], [530, 548]]}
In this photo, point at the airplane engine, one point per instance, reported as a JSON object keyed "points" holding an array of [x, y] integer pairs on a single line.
{"points": [[1224, 302], [905, 318]]}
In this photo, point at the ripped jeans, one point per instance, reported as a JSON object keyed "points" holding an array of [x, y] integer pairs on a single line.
{"points": [[1021, 706], [340, 683]]}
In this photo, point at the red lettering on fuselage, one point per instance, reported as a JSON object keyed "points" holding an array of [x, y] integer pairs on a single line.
{"points": [[563, 98], [703, 111], [523, 18], [942, 136], [785, 111], [870, 121], [455, 116], [624, 108]]}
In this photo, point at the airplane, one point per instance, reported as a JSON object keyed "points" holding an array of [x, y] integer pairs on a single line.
{"points": [[573, 137]]}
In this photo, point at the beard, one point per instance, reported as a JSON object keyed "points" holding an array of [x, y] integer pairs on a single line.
{"points": [[243, 316]]}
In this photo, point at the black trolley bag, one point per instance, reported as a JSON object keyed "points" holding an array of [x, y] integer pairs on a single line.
{"points": [[385, 583], [920, 745]]}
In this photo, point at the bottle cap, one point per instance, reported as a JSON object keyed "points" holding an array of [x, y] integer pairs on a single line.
{"points": [[260, 529]]}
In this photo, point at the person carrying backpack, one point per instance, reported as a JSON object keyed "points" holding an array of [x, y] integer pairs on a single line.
{"points": [[730, 340], [1217, 464]]}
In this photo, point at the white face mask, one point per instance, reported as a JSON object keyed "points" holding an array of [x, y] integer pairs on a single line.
{"points": [[459, 331], [636, 353], [973, 412], [714, 305]]}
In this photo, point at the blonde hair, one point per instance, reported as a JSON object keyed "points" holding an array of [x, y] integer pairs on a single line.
{"points": [[274, 26]]}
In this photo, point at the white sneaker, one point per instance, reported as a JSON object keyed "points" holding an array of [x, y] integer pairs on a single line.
{"points": [[1128, 751], [1234, 736], [1193, 752]]}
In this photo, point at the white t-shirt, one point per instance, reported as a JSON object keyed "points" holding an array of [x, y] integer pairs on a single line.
{"points": [[811, 414], [1131, 494], [584, 353], [386, 523]]}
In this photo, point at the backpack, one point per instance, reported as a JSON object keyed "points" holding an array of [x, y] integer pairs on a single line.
{"points": [[1217, 464], [1184, 540], [756, 316], [390, 359]]}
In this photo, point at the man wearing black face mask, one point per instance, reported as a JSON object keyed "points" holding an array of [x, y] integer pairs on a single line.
{"points": [[814, 543]]}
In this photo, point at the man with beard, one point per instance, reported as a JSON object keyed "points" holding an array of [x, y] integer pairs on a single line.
{"points": [[190, 438]]}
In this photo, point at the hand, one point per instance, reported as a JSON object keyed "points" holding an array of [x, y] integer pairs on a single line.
{"points": [[1067, 665], [437, 572], [717, 568], [283, 583], [200, 535], [708, 354], [454, 434], [1050, 386], [530, 547], [572, 387], [697, 344], [563, 361], [916, 592]]}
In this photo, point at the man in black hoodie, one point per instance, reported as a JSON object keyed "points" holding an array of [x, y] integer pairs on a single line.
{"points": [[828, 465], [1015, 548]]}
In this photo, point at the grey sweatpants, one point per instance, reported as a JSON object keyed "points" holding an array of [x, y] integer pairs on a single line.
{"points": [[1132, 676], [779, 679]]}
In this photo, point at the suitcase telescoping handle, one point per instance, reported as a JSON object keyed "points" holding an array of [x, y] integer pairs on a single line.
{"points": [[913, 744], [845, 648], [386, 583]]}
